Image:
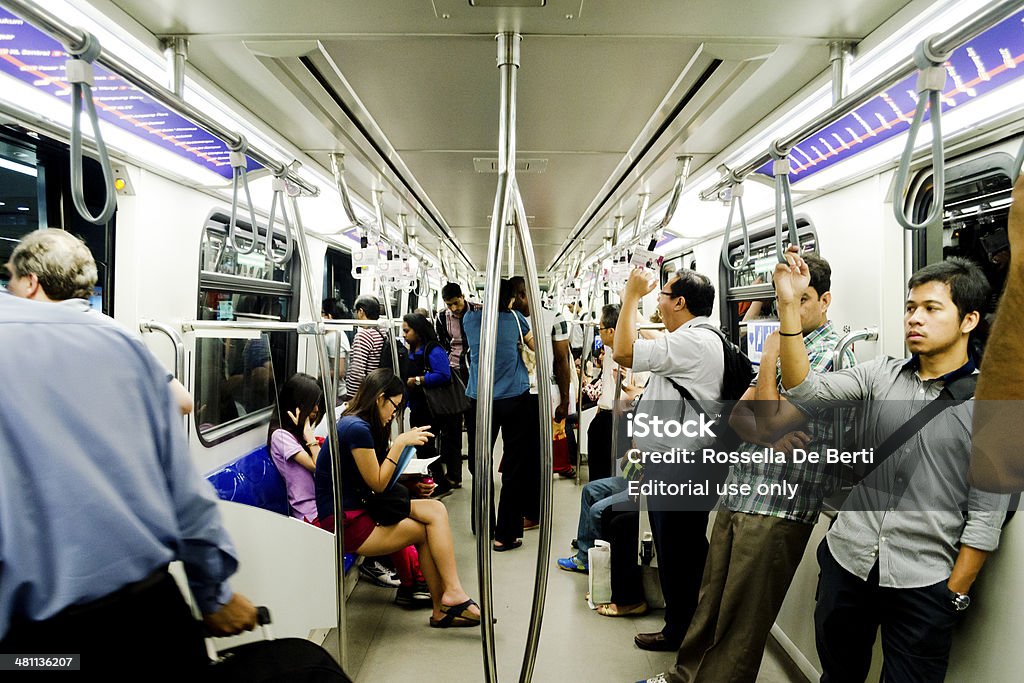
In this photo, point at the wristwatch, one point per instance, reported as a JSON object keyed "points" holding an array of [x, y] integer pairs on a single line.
{"points": [[961, 601], [419, 381]]}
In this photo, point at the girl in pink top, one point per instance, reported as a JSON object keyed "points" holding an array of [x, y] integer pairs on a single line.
{"points": [[293, 448]]}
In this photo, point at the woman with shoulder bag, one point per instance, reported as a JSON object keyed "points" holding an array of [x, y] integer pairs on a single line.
{"points": [[368, 464], [514, 415], [426, 367]]}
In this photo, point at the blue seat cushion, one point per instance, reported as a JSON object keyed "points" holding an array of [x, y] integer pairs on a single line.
{"points": [[252, 480]]}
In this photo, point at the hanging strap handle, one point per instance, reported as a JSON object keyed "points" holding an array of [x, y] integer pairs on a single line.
{"points": [[783, 196], [79, 73], [931, 79], [280, 185], [240, 177], [736, 200]]}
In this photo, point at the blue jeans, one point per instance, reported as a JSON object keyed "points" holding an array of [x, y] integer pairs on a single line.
{"points": [[597, 497]]}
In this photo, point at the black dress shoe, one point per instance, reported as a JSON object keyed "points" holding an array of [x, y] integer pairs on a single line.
{"points": [[656, 642]]}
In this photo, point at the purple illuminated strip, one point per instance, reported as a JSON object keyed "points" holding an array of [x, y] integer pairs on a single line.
{"points": [[986, 63], [28, 54]]}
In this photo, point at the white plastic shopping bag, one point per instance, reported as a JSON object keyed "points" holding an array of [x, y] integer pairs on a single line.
{"points": [[600, 561]]}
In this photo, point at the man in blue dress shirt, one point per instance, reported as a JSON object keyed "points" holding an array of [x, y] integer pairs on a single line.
{"points": [[97, 495]]}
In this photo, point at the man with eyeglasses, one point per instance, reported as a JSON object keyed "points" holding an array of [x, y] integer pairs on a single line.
{"points": [[692, 357]]}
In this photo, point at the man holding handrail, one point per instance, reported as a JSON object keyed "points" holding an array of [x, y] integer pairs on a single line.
{"points": [[913, 536]]}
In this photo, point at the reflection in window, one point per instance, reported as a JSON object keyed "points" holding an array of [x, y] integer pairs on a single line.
{"points": [[236, 379], [235, 376]]}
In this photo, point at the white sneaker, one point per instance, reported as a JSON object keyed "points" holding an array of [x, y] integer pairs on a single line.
{"points": [[660, 678], [379, 574]]}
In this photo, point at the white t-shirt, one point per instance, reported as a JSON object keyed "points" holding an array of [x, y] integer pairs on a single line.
{"points": [[556, 322]]}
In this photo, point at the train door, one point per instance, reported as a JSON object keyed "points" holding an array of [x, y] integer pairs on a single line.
{"points": [[35, 192]]}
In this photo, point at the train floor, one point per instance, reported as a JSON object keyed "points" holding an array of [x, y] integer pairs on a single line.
{"points": [[389, 643]]}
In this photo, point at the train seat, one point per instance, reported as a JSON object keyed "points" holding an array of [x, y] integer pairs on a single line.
{"points": [[252, 479]]}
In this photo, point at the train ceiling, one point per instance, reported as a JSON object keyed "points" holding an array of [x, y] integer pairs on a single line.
{"points": [[609, 93]]}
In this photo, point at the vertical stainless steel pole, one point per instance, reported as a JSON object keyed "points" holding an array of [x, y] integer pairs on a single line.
{"points": [[332, 434], [508, 60], [544, 361], [838, 55], [177, 54]]}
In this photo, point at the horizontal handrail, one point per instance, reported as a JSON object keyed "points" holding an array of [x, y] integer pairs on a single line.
{"points": [[942, 43], [74, 38]]}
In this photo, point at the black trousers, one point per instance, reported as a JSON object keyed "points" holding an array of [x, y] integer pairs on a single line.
{"points": [[621, 528], [450, 438], [681, 542], [917, 626], [516, 419], [599, 445], [143, 627]]}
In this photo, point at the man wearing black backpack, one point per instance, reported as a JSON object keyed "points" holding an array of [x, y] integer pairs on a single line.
{"points": [[690, 356], [913, 536], [739, 600]]}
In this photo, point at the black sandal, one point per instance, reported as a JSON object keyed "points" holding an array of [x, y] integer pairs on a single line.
{"points": [[456, 616], [507, 546]]}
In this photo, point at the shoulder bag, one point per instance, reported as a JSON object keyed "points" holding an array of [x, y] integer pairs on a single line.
{"points": [[448, 398], [389, 507]]}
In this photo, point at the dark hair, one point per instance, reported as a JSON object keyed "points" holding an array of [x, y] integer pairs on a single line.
{"points": [[330, 307], [610, 315], [300, 391], [697, 289], [506, 292], [518, 283], [422, 327], [451, 291], [968, 286], [370, 307], [821, 273], [381, 381]]}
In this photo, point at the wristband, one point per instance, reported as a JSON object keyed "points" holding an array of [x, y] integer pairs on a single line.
{"points": [[392, 462], [789, 334]]}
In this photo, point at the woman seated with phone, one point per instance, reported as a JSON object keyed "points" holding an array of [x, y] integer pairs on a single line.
{"points": [[378, 518]]}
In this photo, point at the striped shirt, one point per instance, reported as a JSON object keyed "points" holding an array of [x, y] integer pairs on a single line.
{"points": [[451, 334], [814, 482], [364, 359]]}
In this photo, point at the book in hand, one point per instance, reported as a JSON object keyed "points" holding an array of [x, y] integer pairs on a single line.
{"points": [[408, 463]]}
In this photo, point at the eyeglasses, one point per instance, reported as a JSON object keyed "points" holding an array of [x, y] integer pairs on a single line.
{"points": [[396, 406], [669, 294]]}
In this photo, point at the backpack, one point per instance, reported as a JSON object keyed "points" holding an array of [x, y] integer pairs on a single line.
{"points": [[387, 359], [736, 378], [738, 371]]}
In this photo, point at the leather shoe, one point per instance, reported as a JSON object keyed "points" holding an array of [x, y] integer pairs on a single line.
{"points": [[656, 642]]}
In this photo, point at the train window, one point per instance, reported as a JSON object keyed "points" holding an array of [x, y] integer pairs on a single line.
{"points": [[738, 290], [974, 218], [338, 280], [236, 382], [671, 266]]}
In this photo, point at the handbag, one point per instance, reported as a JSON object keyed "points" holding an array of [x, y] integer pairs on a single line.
{"points": [[389, 507], [446, 399], [529, 358]]}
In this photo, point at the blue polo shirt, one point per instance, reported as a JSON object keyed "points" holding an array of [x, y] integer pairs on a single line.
{"points": [[510, 376]]}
